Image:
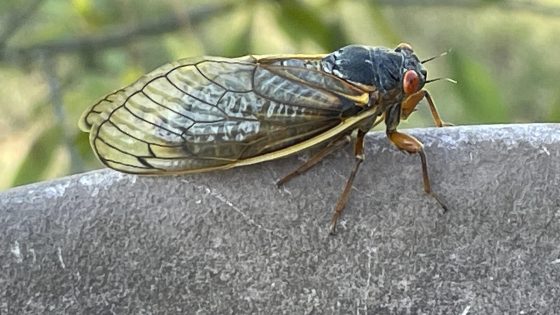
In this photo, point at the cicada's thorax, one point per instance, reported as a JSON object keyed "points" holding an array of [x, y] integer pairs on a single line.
{"points": [[378, 68]]}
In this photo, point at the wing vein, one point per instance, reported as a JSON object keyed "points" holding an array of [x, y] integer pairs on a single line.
{"points": [[196, 98], [151, 123], [172, 110]]}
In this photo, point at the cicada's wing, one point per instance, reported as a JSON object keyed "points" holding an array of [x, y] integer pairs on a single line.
{"points": [[210, 113]]}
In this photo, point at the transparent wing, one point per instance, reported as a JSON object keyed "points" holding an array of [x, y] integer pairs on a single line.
{"points": [[207, 113]]}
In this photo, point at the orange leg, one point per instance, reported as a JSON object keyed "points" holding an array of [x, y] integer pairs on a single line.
{"points": [[409, 104], [411, 145]]}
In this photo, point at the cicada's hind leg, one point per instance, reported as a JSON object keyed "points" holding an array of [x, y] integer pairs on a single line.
{"points": [[332, 146], [409, 105], [411, 145], [343, 199]]}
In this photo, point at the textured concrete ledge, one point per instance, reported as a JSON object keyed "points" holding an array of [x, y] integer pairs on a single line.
{"points": [[232, 243]]}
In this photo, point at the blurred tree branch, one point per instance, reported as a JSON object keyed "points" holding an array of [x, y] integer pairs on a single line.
{"points": [[115, 38], [17, 20], [49, 67], [189, 17]]}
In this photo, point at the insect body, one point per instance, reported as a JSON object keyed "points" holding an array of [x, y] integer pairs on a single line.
{"points": [[210, 113]]}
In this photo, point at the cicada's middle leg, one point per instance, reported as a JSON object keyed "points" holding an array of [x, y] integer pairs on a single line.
{"points": [[411, 145], [343, 199], [332, 146]]}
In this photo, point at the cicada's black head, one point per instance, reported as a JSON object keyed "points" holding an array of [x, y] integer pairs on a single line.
{"points": [[414, 74], [388, 70]]}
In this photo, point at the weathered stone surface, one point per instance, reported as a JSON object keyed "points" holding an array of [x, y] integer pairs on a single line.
{"points": [[231, 242]]}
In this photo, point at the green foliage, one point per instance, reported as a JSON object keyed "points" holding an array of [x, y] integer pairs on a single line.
{"points": [[82, 146], [554, 114], [480, 94], [239, 43], [303, 23], [39, 157], [384, 26]]}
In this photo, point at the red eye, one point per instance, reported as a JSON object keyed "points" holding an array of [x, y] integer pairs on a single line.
{"points": [[411, 82]]}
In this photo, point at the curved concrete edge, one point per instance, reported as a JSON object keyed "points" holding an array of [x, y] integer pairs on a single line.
{"points": [[231, 242]]}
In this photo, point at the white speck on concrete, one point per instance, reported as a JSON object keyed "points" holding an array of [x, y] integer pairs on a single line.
{"points": [[33, 255], [105, 178], [57, 190], [466, 310], [284, 189], [59, 252], [16, 251], [96, 179]]}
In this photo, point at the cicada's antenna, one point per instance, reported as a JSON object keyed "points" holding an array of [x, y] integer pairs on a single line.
{"points": [[446, 79], [434, 57]]}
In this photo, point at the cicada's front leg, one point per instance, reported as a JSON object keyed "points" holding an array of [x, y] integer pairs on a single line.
{"points": [[409, 144], [410, 102]]}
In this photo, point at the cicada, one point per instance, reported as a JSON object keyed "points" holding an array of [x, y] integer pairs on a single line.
{"points": [[211, 113]]}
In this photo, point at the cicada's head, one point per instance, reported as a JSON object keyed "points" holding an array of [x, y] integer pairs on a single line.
{"points": [[414, 74]]}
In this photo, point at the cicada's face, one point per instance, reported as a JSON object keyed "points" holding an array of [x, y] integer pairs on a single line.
{"points": [[413, 73]]}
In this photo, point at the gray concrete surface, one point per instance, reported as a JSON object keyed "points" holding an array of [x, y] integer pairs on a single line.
{"points": [[232, 243]]}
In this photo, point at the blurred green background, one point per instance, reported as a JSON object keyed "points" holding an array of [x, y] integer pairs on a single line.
{"points": [[58, 57]]}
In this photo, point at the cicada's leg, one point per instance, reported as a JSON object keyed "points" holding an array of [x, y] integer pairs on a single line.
{"points": [[334, 145], [343, 199], [437, 119], [409, 104], [411, 145]]}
